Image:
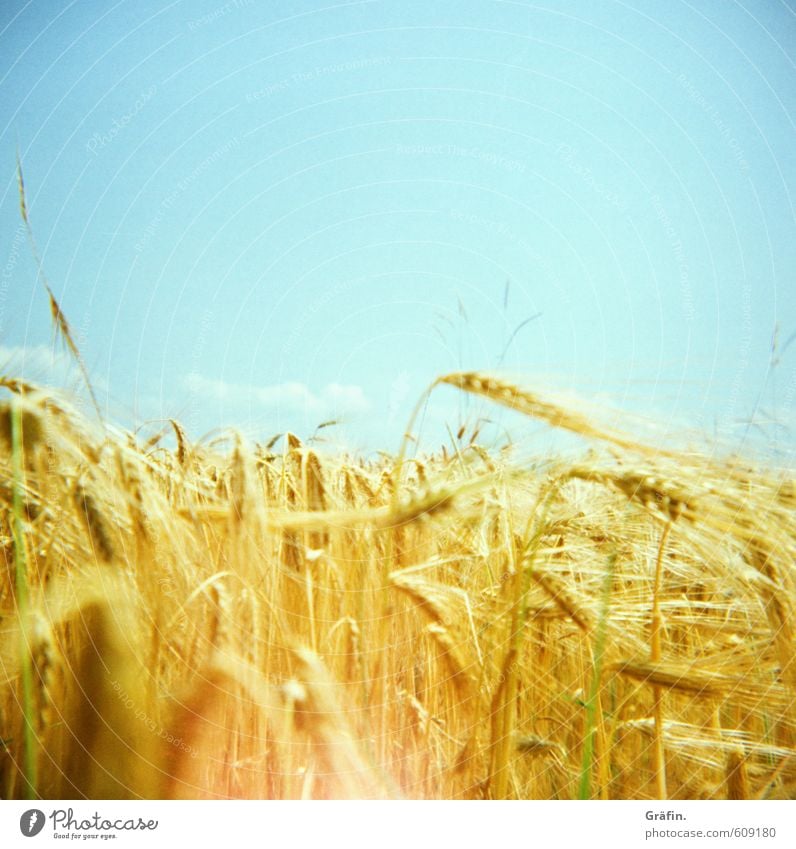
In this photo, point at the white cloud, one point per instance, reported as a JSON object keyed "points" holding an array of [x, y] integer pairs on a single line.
{"points": [[37, 363], [46, 366], [334, 399]]}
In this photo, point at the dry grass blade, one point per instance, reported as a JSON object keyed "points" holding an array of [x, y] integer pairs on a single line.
{"points": [[23, 206], [182, 442], [565, 599], [320, 715], [647, 489], [60, 324], [525, 402], [737, 778], [453, 658], [687, 678], [427, 599], [95, 524]]}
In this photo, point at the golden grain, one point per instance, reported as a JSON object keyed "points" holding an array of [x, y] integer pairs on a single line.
{"points": [[219, 621]]}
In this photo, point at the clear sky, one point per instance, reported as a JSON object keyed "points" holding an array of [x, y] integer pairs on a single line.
{"points": [[269, 214]]}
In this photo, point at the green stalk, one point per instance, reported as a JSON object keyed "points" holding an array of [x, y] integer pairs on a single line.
{"points": [[504, 705], [584, 790], [655, 656], [21, 571]]}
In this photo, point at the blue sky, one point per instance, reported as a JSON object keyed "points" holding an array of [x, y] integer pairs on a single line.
{"points": [[272, 214]]}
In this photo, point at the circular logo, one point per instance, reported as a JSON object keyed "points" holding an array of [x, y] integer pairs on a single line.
{"points": [[31, 822]]}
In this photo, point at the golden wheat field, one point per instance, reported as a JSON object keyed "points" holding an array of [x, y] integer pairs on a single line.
{"points": [[272, 622]]}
